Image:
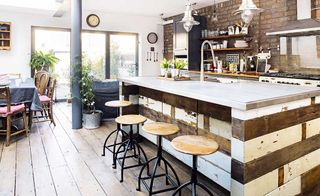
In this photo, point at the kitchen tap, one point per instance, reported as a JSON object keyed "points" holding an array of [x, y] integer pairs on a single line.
{"points": [[202, 63]]}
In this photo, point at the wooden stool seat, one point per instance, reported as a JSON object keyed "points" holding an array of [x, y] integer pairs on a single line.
{"points": [[131, 119], [195, 145], [160, 128], [117, 104]]}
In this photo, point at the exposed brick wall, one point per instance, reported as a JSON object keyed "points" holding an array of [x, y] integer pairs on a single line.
{"points": [[168, 41], [277, 13]]}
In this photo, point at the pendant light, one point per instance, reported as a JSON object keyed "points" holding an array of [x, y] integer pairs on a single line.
{"points": [[188, 19], [214, 17], [248, 9]]}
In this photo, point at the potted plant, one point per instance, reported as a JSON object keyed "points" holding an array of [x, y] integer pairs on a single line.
{"points": [[91, 116], [164, 67], [177, 66], [43, 61]]}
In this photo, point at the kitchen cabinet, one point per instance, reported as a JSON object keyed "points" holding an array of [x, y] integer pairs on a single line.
{"points": [[186, 45]]}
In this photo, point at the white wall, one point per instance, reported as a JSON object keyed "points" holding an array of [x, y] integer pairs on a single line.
{"points": [[16, 60]]}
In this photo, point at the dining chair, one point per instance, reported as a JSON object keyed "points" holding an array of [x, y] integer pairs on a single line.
{"points": [[10, 113], [41, 80], [47, 103]]}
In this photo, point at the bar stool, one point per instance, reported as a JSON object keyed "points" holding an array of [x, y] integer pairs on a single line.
{"points": [[159, 129], [130, 144], [196, 146], [115, 104]]}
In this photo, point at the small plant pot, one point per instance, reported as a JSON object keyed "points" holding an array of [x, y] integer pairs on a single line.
{"points": [[163, 72], [92, 120], [175, 73]]}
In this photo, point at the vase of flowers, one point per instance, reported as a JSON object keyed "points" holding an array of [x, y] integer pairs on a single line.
{"points": [[178, 65], [164, 67]]}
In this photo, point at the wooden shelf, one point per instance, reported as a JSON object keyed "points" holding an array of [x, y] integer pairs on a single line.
{"points": [[5, 47], [226, 37], [5, 34], [228, 49], [243, 74]]}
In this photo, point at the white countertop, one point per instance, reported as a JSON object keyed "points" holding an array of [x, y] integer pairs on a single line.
{"points": [[244, 95]]}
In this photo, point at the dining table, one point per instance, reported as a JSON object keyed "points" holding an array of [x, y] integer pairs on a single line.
{"points": [[24, 91]]}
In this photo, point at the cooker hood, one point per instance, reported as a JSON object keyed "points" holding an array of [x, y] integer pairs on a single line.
{"points": [[305, 25]]}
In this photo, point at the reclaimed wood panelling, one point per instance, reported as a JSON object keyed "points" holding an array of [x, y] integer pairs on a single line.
{"points": [[256, 113], [132, 109], [310, 180], [301, 165], [291, 188], [280, 176], [258, 187], [272, 142], [224, 144], [215, 111], [190, 118], [246, 172], [221, 128], [250, 129], [312, 128], [127, 90], [150, 93]]}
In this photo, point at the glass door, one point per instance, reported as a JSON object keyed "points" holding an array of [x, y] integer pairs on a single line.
{"points": [[123, 55], [59, 45]]}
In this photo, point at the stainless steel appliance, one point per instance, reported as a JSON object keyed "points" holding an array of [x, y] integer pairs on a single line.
{"points": [[291, 79]]}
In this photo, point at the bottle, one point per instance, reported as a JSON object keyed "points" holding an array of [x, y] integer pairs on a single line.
{"points": [[242, 65]]}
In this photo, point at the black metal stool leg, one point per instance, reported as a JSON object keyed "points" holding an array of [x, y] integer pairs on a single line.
{"points": [[105, 142], [205, 188], [173, 171], [166, 169], [144, 156], [141, 171], [156, 165], [194, 189], [124, 144], [123, 160], [181, 187]]}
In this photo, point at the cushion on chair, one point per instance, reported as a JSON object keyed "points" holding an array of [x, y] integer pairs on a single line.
{"points": [[14, 110], [44, 99]]}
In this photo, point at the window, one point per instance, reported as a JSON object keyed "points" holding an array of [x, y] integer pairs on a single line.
{"points": [[123, 55], [110, 54]]}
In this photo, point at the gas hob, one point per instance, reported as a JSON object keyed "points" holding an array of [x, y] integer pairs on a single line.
{"points": [[291, 79]]}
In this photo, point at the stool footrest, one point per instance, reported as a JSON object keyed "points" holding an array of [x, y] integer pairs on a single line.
{"points": [[174, 186]]}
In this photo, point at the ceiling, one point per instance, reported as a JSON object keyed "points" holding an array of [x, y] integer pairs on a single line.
{"points": [[137, 7], [144, 7]]}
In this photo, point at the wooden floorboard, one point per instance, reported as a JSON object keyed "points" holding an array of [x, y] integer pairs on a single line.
{"points": [[24, 170], [8, 170], [56, 160]]}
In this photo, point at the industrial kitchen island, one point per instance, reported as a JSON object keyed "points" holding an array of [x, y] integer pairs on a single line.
{"points": [[268, 134]]}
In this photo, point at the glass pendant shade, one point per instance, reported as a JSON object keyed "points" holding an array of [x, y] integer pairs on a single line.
{"points": [[248, 9], [188, 19]]}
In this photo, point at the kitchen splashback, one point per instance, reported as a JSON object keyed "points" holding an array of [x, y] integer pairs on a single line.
{"points": [[299, 53]]}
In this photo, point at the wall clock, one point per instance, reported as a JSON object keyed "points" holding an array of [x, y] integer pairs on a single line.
{"points": [[93, 20], [152, 38]]}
